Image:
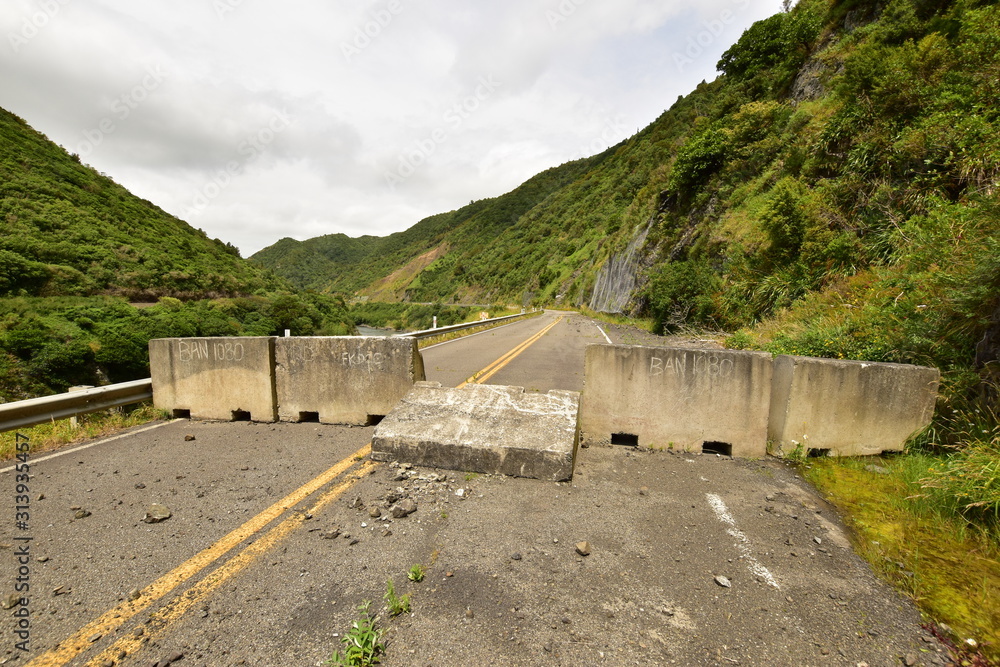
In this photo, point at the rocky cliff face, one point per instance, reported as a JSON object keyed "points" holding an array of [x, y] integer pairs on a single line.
{"points": [[616, 280]]}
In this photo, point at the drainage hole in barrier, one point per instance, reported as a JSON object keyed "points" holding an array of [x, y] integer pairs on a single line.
{"points": [[375, 420], [309, 417], [723, 448], [625, 439], [241, 416], [818, 453], [182, 414]]}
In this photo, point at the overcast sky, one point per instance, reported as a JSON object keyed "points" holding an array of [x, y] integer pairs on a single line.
{"points": [[256, 120]]}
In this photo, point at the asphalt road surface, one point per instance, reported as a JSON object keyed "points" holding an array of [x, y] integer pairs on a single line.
{"points": [[279, 532]]}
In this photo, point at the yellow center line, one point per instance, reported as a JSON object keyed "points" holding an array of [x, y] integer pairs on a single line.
{"points": [[491, 370], [162, 619], [116, 617]]}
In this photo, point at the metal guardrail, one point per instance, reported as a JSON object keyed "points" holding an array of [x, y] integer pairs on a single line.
{"points": [[22, 414], [429, 333]]}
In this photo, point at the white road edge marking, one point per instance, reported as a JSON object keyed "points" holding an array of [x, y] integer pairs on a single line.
{"points": [[742, 543], [601, 329], [94, 444]]}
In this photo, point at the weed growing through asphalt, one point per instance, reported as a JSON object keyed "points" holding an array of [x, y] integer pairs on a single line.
{"points": [[363, 644], [416, 573], [395, 604]]}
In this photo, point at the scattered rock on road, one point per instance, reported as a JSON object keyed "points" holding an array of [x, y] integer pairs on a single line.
{"points": [[404, 508], [157, 513], [583, 548], [723, 581]]}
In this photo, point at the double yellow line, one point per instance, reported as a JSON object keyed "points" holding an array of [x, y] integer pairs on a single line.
{"points": [[491, 370], [162, 618], [118, 616]]}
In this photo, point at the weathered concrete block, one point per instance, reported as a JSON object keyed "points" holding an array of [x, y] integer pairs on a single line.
{"points": [[483, 428], [687, 399], [345, 379], [848, 408], [215, 378]]}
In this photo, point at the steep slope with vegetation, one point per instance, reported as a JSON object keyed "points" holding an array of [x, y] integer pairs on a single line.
{"points": [[68, 230], [74, 246]]}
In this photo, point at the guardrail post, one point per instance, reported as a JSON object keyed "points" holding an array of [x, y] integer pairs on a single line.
{"points": [[74, 422]]}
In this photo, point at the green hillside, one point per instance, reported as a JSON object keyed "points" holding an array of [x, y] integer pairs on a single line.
{"points": [[68, 230]]}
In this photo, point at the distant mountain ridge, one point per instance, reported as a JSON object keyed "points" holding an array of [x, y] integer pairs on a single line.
{"points": [[68, 230]]}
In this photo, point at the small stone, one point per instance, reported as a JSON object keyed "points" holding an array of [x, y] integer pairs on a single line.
{"points": [[643, 490], [42, 559], [134, 594], [12, 601], [824, 651], [81, 514], [140, 485], [910, 660], [357, 504], [449, 574], [93, 638], [41, 496], [723, 581], [61, 590], [460, 493], [189, 438], [157, 513], [375, 512], [469, 613], [817, 540], [354, 541], [583, 548], [515, 556], [331, 534]]}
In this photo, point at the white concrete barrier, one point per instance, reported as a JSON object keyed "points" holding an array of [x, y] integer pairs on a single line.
{"points": [[215, 378], [691, 400], [848, 408], [345, 379]]}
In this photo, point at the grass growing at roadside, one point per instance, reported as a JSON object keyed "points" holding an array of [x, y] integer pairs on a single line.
{"points": [[395, 604], [363, 645], [96, 424], [914, 539], [416, 573]]}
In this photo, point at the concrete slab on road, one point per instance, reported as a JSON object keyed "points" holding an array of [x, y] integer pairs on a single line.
{"points": [[505, 584]]}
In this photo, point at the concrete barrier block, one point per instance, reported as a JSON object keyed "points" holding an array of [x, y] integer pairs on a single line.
{"points": [[848, 408], [344, 379], [691, 400], [215, 378], [484, 429]]}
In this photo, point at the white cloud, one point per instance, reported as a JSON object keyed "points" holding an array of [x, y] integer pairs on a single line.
{"points": [[179, 101]]}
